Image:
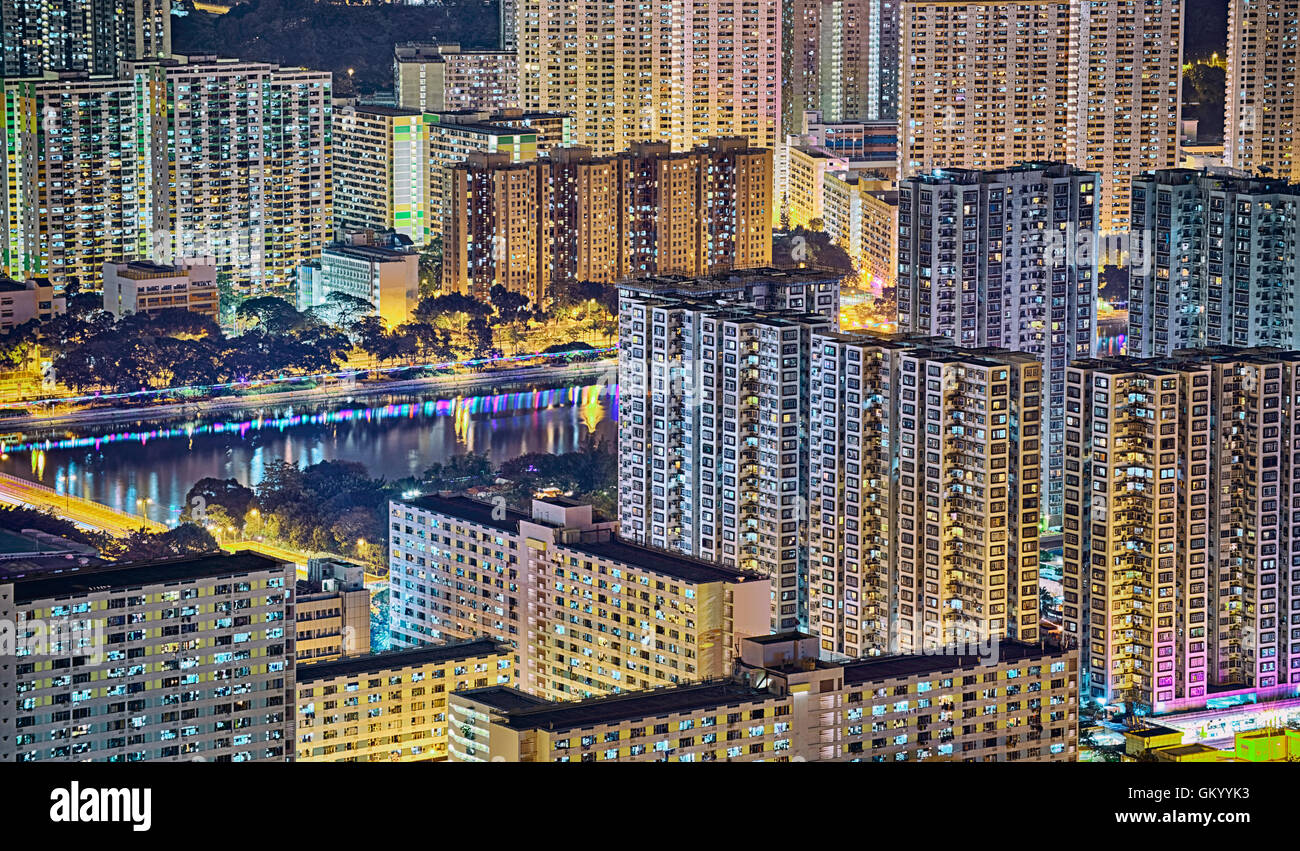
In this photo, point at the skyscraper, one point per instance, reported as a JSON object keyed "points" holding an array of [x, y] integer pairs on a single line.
{"points": [[81, 35], [983, 85], [839, 58], [1095, 83], [1217, 264], [713, 437], [443, 77], [575, 216], [1005, 258], [79, 181], [925, 468], [666, 71], [1180, 526], [248, 151], [1261, 129], [381, 170], [1125, 95]]}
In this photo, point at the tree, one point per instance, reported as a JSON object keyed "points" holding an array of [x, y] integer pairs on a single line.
{"points": [[209, 493], [431, 267], [185, 539], [273, 315], [460, 472], [345, 310]]}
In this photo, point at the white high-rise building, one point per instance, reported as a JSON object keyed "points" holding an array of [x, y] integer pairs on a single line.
{"points": [[1007, 259], [713, 432], [1218, 263]]}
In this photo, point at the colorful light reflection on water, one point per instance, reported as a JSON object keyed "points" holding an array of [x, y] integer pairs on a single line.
{"points": [[399, 438]]}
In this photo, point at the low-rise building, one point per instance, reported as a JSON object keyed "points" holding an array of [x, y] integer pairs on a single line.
{"points": [[23, 301], [784, 704], [391, 707], [142, 286], [382, 269], [585, 612]]}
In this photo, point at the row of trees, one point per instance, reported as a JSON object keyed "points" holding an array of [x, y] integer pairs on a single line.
{"points": [[92, 350]]}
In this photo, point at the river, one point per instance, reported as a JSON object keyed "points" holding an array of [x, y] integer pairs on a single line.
{"points": [[394, 435]]}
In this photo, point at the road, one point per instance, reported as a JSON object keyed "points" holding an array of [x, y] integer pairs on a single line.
{"points": [[18, 491]]}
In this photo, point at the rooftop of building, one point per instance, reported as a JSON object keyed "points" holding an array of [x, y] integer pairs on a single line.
{"points": [[374, 663], [91, 579], [902, 666], [1151, 731], [370, 253], [1185, 358], [525, 713], [1221, 179], [974, 176], [600, 544], [381, 109], [663, 562]]}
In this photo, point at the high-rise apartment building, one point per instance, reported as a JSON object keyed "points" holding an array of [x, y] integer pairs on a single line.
{"points": [[81, 35], [391, 707], [713, 433], [1261, 130], [1008, 259], [80, 181], [983, 85], [1217, 263], [1180, 561], [925, 465], [443, 77], [674, 70], [785, 703], [1095, 83], [1125, 95], [839, 57], [174, 660], [381, 170], [146, 166], [574, 216], [253, 127], [585, 612]]}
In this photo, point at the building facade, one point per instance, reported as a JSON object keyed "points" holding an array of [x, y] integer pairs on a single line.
{"points": [[140, 286], [380, 269], [783, 704], [1095, 83], [381, 170], [391, 707], [673, 70], [713, 433], [575, 216], [442, 77], [1261, 128], [1217, 262], [584, 612], [81, 35], [1179, 527], [1005, 258], [925, 463], [175, 660]]}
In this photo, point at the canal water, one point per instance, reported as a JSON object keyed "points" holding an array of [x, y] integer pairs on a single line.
{"points": [[394, 436]]}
